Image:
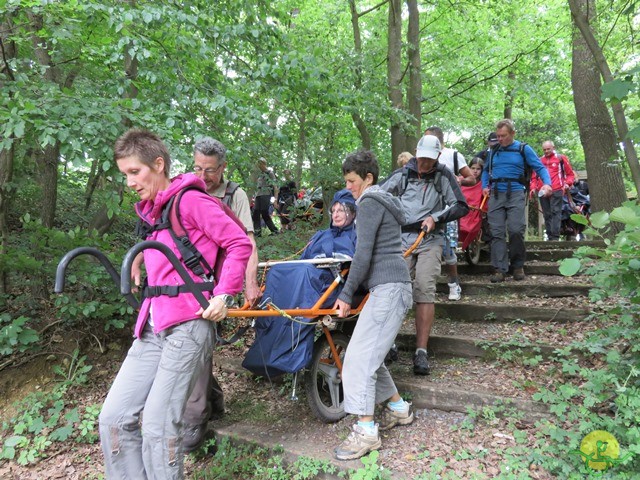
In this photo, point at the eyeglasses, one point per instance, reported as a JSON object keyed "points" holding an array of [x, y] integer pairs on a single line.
{"points": [[338, 210], [207, 171]]}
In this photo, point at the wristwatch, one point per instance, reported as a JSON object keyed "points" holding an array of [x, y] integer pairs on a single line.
{"points": [[227, 299]]}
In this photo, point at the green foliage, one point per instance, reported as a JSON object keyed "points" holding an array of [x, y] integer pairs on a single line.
{"points": [[233, 461], [370, 469], [14, 337], [601, 392], [626, 88], [45, 418]]}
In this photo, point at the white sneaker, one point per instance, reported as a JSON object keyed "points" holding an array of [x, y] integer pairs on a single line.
{"points": [[455, 291]]}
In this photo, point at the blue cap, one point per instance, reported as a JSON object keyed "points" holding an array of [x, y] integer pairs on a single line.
{"points": [[343, 196]]}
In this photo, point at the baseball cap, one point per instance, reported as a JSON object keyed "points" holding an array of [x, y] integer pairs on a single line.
{"points": [[428, 147], [492, 139]]}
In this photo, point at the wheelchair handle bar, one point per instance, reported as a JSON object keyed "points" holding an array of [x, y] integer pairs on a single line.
{"points": [[127, 262], [69, 256]]}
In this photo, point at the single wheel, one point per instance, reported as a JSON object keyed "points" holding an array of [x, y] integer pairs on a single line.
{"points": [[472, 252], [323, 382]]}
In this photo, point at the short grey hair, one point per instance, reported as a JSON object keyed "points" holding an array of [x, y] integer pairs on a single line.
{"points": [[211, 147], [506, 123]]}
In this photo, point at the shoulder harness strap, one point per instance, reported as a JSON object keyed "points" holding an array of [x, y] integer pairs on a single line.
{"points": [[191, 256], [228, 192]]}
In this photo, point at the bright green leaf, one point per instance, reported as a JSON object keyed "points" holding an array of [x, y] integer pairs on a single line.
{"points": [[617, 89], [569, 266], [599, 219], [625, 215]]}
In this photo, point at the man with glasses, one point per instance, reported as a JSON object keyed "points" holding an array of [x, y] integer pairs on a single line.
{"points": [[207, 397]]}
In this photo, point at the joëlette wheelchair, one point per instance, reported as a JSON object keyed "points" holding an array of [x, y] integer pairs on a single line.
{"points": [[322, 378], [322, 381]]}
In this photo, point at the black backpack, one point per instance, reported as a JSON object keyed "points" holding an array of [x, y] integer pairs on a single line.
{"points": [[228, 192], [436, 179]]}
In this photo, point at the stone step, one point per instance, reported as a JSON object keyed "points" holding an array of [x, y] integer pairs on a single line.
{"points": [[425, 393], [538, 290], [549, 255], [471, 312], [573, 245], [529, 269], [467, 347], [453, 399]]}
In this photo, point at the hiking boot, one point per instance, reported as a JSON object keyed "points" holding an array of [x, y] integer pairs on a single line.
{"points": [[518, 274], [420, 363], [392, 355], [358, 444], [455, 291], [497, 277], [390, 418], [193, 437]]}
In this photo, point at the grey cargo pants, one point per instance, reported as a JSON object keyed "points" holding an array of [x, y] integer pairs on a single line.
{"points": [[141, 419]]}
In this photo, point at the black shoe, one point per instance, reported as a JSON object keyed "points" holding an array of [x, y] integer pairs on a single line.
{"points": [[392, 355], [420, 364], [194, 437]]}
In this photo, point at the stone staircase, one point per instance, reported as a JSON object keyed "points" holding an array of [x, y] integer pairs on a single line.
{"points": [[513, 320], [487, 354]]}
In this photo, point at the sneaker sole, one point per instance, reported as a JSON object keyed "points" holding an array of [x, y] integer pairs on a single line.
{"points": [[360, 453], [398, 421]]}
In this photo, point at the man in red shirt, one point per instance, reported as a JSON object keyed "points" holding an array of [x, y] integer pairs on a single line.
{"points": [[562, 178]]}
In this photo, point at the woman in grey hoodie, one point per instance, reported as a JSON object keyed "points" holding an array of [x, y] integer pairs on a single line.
{"points": [[378, 266]]}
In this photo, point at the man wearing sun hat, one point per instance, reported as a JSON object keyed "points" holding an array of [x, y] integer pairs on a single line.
{"points": [[430, 196]]}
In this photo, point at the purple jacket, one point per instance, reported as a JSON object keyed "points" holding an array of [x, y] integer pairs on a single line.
{"points": [[209, 229]]}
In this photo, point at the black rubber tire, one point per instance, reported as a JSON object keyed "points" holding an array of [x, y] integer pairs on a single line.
{"points": [[322, 380], [472, 252]]}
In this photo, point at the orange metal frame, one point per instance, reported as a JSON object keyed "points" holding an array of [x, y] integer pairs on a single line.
{"points": [[316, 311]]}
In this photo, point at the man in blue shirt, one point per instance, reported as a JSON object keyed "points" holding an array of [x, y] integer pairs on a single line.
{"points": [[504, 179]]}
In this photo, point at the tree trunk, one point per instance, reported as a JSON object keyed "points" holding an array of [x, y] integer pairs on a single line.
{"points": [[394, 77], [6, 173], [509, 97], [581, 20], [51, 153], [101, 221], [414, 92], [597, 134], [357, 80], [8, 50], [49, 181]]}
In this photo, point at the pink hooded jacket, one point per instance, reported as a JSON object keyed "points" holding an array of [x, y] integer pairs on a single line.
{"points": [[209, 229]]}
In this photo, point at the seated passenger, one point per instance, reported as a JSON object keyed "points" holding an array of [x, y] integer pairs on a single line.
{"points": [[472, 222], [283, 346], [340, 237]]}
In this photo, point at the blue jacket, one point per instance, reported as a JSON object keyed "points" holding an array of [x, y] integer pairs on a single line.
{"points": [[333, 240], [507, 162]]}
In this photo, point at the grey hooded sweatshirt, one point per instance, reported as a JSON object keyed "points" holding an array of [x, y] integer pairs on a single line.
{"points": [[378, 258]]}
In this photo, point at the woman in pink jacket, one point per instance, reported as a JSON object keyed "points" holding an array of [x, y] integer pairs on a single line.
{"points": [[141, 420]]}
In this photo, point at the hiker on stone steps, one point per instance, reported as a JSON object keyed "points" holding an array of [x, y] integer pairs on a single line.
{"points": [[378, 266], [430, 197], [505, 178]]}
